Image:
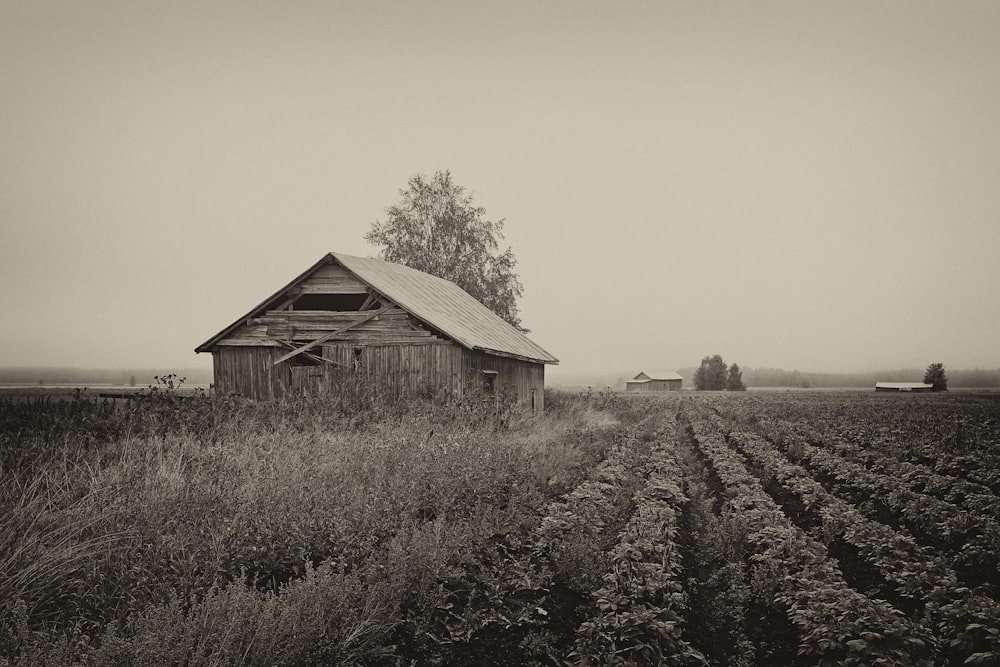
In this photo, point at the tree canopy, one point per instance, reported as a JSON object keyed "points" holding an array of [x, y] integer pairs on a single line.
{"points": [[711, 374], [435, 227], [935, 375], [734, 380]]}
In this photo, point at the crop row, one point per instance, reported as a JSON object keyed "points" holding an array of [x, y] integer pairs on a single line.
{"points": [[970, 496], [578, 533], [956, 436], [836, 624], [641, 606], [960, 619], [970, 538]]}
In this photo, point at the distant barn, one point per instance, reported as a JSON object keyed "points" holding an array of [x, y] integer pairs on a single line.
{"points": [[347, 321], [655, 381], [903, 386]]}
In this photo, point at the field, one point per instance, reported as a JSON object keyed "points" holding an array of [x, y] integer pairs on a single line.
{"points": [[771, 528]]}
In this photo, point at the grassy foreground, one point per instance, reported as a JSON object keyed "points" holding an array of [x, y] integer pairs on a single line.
{"points": [[726, 529], [202, 531]]}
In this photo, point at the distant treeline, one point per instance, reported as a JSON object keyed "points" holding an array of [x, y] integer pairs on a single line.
{"points": [[977, 378], [140, 377]]}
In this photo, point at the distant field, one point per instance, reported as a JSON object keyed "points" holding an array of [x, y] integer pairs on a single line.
{"points": [[91, 391], [762, 528]]}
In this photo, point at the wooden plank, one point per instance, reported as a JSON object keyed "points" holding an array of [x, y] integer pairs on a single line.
{"points": [[354, 334], [320, 314], [358, 289], [305, 335], [320, 325], [373, 296], [375, 335], [331, 271], [335, 281], [308, 346], [404, 343], [248, 331], [331, 280], [312, 355], [399, 342], [248, 342], [286, 304]]}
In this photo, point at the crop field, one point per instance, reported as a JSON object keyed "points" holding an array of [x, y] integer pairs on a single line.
{"points": [[771, 528]]}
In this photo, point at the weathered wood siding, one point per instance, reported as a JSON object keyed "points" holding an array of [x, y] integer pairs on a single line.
{"points": [[664, 385], [392, 326], [331, 279], [524, 379], [395, 370], [250, 372], [391, 370]]}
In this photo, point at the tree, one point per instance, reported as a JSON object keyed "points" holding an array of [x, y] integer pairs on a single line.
{"points": [[934, 375], [711, 374], [715, 374], [700, 384], [734, 381], [436, 228]]}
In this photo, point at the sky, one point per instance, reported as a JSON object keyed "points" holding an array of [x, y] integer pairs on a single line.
{"points": [[803, 185]]}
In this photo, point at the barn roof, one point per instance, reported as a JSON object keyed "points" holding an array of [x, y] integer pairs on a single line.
{"points": [[439, 303], [659, 375], [903, 385]]}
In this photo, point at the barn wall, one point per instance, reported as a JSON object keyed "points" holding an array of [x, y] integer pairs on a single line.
{"points": [[525, 379], [664, 385], [250, 371], [391, 370]]}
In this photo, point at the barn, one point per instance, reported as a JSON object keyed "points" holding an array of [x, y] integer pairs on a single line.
{"points": [[349, 321], [903, 386], [655, 381]]}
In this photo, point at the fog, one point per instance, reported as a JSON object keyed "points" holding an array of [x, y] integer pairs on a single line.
{"points": [[790, 185]]}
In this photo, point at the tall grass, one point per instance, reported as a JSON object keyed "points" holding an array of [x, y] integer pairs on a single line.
{"points": [[213, 531]]}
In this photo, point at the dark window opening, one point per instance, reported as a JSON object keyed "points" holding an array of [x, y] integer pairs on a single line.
{"points": [[489, 382], [356, 359], [340, 302], [307, 358]]}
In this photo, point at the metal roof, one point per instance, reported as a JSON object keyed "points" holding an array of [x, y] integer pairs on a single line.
{"points": [[439, 303], [904, 385], [660, 375]]}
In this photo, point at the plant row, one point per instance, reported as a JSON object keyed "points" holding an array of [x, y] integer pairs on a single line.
{"points": [[969, 496], [957, 436], [964, 623], [641, 606], [836, 624], [972, 539]]}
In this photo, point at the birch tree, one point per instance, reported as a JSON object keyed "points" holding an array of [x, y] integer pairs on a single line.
{"points": [[436, 228]]}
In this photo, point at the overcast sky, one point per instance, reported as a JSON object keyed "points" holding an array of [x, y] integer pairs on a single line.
{"points": [[806, 185]]}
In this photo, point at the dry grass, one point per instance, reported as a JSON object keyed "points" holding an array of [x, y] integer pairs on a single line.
{"points": [[188, 536]]}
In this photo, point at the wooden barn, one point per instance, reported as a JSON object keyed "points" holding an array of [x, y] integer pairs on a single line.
{"points": [[655, 381], [347, 321]]}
